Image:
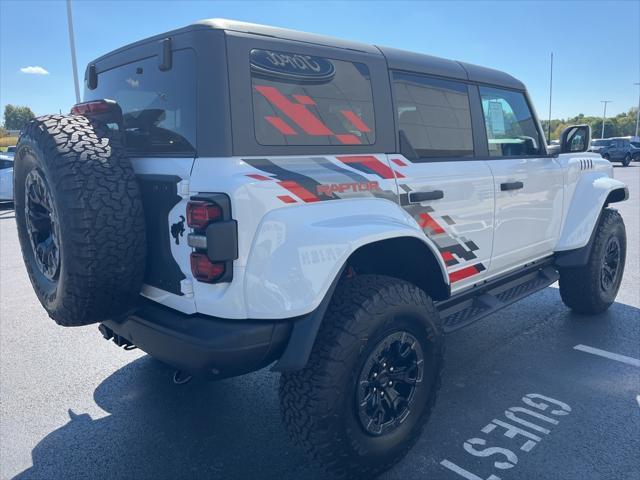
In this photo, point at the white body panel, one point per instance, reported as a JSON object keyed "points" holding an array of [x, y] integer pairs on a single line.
{"points": [[527, 220], [293, 239], [588, 181], [465, 212]]}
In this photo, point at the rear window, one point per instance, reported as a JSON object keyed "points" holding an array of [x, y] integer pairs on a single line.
{"points": [[308, 100], [159, 107]]}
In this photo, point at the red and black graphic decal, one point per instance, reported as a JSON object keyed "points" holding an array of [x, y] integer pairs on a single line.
{"points": [[371, 165], [304, 119], [296, 183]]}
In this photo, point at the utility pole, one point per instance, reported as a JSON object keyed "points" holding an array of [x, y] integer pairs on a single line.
{"points": [[550, 90], [72, 46], [604, 114], [638, 112]]}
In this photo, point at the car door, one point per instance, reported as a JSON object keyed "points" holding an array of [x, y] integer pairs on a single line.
{"points": [[528, 183], [441, 183]]}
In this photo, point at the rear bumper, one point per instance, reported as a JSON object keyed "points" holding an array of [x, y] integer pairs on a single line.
{"points": [[199, 344]]}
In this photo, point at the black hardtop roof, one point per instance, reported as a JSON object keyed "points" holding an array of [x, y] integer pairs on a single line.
{"points": [[396, 59]]}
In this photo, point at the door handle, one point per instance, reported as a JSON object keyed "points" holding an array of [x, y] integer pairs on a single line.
{"points": [[417, 197], [511, 186]]}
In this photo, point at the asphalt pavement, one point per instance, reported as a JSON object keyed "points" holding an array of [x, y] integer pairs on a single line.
{"points": [[74, 406]]}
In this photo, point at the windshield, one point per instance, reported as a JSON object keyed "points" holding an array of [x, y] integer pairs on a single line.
{"points": [[635, 144], [158, 107], [600, 143]]}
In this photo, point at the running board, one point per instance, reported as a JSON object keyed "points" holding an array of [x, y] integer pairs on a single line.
{"points": [[470, 306]]}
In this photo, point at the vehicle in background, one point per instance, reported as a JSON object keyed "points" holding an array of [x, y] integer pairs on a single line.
{"points": [[615, 150], [635, 151], [6, 178], [11, 150]]}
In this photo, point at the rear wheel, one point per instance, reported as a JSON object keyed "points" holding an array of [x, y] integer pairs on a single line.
{"points": [[593, 287], [80, 220], [371, 381]]}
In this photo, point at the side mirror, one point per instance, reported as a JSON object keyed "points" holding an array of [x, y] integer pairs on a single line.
{"points": [[575, 138]]}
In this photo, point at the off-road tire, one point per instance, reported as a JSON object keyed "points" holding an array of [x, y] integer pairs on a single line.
{"points": [[626, 161], [581, 287], [318, 403], [97, 214]]}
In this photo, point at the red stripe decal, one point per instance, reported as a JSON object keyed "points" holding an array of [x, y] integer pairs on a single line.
{"points": [[348, 139], [447, 256], [306, 120], [304, 99], [463, 273], [426, 221], [286, 199], [299, 191], [398, 162], [281, 125], [371, 163], [257, 176], [356, 121]]}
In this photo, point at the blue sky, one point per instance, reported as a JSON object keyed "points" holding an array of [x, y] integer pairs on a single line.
{"points": [[596, 45]]}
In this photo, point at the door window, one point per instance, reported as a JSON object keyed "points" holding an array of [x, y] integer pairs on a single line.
{"points": [[511, 127], [434, 115]]}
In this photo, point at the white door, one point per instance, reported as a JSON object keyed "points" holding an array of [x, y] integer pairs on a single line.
{"points": [[528, 184], [442, 186]]}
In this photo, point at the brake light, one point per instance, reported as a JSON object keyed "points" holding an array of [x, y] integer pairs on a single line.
{"points": [[200, 214], [204, 270], [89, 108]]}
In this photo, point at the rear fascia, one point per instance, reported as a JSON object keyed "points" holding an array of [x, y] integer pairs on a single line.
{"points": [[213, 125]]}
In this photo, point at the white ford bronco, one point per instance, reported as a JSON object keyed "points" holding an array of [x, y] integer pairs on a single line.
{"points": [[230, 196]]}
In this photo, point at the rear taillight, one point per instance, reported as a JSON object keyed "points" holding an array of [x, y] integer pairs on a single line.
{"points": [[105, 110], [201, 213], [204, 270], [214, 237], [87, 108]]}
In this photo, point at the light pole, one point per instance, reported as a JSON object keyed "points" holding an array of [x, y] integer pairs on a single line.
{"points": [[638, 112], [72, 46], [604, 114]]}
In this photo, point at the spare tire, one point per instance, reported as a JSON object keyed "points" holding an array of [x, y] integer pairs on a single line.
{"points": [[80, 219]]}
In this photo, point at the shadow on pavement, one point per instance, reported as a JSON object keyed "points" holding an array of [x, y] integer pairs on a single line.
{"points": [[160, 430], [231, 429]]}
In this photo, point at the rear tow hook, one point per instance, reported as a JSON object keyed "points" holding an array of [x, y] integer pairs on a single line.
{"points": [[108, 334]]}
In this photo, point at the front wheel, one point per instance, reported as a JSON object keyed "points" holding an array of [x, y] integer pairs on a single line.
{"points": [[627, 160], [371, 381], [593, 287]]}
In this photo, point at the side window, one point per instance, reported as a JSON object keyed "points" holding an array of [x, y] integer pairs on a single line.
{"points": [[434, 115], [511, 128], [308, 100]]}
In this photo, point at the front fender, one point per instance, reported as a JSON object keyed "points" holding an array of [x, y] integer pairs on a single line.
{"points": [[298, 251], [588, 199]]}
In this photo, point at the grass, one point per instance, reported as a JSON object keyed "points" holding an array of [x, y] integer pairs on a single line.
{"points": [[7, 142]]}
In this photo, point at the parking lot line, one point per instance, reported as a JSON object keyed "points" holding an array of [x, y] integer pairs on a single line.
{"points": [[612, 356]]}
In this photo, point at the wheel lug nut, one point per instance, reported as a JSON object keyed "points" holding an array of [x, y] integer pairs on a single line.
{"points": [[382, 394], [391, 369], [375, 375], [390, 383]]}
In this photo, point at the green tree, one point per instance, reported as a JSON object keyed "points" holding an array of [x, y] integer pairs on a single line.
{"points": [[16, 117]]}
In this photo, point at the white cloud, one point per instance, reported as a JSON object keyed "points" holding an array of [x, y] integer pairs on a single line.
{"points": [[35, 70]]}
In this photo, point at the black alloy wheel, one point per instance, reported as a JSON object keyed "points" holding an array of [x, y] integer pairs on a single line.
{"points": [[388, 382], [42, 225]]}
